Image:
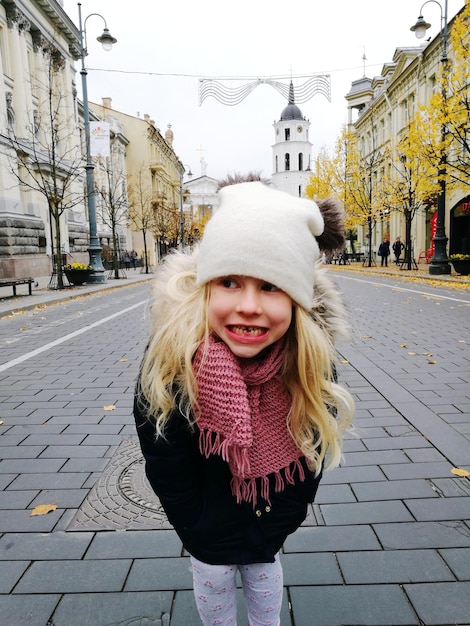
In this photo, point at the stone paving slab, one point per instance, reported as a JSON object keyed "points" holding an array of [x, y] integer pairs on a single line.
{"points": [[28, 609], [441, 603], [36, 546], [161, 574], [103, 609], [393, 566], [358, 605], [74, 576]]}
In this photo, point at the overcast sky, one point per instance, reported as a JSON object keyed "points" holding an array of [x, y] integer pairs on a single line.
{"points": [[164, 48]]}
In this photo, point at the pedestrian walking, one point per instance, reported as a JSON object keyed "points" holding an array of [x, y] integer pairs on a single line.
{"points": [[398, 247], [384, 252], [127, 260], [236, 403]]}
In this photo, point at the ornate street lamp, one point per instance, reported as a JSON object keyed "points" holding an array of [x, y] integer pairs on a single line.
{"points": [[94, 249], [182, 171], [439, 263]]}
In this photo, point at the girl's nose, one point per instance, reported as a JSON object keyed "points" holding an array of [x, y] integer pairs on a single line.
{"points": [[249, 302]]}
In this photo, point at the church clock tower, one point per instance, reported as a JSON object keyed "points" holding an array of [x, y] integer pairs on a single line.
{"points": [[291, 150]]}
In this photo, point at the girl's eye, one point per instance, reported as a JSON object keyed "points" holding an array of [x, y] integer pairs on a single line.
{"points": [[269, 287], [229, 283]]}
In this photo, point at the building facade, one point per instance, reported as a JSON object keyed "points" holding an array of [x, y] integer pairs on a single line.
{"points": [[379, 113], [38, 47]]}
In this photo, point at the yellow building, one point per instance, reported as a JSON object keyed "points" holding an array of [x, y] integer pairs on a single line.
{"points": [[155, 182]]}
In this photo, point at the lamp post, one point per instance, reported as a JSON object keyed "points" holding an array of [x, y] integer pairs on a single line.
{"points": [[439, 263], [94, 248], [182, 171]]}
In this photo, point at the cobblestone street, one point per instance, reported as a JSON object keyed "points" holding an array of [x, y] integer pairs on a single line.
{"points": [[387, 542]]}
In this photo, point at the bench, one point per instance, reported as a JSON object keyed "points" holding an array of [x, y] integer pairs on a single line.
{"points": [[425, 255], [14, 282]]}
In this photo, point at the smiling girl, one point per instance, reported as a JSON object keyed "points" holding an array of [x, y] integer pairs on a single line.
{"points": [[236, 406]]}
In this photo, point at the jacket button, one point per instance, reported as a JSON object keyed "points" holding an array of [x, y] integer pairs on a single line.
{"points": [[258, 513], [268, 509]]}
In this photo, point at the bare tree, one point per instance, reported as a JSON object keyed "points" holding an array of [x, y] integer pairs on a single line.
{"points": [[141, 208], [114, 204]]}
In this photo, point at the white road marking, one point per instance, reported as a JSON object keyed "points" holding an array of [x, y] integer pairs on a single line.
{"points": [[53, 344], [423, 293]]}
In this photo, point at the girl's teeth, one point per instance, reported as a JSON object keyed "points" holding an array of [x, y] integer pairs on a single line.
{"points": [[247, 330]]}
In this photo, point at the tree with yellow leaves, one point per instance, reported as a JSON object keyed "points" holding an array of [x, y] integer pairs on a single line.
{"points": [[443, 125], [409, 183], [365, 172], [328, 178]]}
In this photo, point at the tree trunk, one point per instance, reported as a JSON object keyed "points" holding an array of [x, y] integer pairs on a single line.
{"points": [[408, 251], [144, 233], [115, 254], [58, 248], [369, 223]]}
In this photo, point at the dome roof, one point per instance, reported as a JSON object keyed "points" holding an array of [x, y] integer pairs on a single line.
{"points": [[291, 111]]}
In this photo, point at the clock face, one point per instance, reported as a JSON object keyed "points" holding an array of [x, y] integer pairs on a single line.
{"points": [[299, 129]]}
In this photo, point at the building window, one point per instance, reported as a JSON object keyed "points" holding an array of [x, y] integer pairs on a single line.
{"points": [[287, 134], [301, 161], [287, 162], [276, 166]]}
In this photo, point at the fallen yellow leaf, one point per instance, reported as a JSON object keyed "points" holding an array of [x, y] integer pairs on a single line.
{"points": [[43, 509], [411, 353], [403, 345], [24, 328], [122, 360], [459, 472], [109, 407], [1, 422], [432, 362], [427, 354], [344, 361]]}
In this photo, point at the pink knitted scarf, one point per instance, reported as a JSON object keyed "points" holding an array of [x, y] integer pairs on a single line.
{"points": [[242, 416]]}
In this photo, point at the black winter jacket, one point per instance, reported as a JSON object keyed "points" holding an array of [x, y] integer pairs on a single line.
{"points": [[196, 496]]}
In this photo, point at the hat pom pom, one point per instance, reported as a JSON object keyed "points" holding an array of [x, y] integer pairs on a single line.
{"points": [[333, 237]]}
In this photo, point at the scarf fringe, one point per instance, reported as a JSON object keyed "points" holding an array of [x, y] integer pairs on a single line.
{"points": [[215, 443], [248, 490]]}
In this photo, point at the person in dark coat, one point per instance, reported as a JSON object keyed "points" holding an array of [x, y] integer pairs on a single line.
{"points": [[384, 252], [236, 402], [398, 247]]}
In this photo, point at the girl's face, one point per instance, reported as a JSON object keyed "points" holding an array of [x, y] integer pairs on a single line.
{"points": [[248, 314]]}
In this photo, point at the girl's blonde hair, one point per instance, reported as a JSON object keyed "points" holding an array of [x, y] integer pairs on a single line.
{"points": [[321, 409]]}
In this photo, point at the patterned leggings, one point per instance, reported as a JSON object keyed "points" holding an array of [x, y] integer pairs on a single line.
{"points": [[215, 591]]}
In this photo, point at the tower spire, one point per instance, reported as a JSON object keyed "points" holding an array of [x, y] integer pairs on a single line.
{"points": [[291, 93]]}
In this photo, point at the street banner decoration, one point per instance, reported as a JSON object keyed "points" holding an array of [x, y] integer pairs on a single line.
{"points": [[99, 139], [433, 229]]}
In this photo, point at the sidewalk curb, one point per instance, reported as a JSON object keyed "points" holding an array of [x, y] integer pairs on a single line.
{"points": [[21, 303]]}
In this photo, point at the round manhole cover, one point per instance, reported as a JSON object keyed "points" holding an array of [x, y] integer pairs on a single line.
{"points": [[122, 497]]}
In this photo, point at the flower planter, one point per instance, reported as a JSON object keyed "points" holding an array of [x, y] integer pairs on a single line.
{"points": [[461, 266], [77, 277]]}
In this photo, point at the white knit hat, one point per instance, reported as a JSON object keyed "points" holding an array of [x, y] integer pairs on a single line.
{"points": [[266, 234]]}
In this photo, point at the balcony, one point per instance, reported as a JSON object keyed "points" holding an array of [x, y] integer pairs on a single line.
{"points": [[157, 166]]}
